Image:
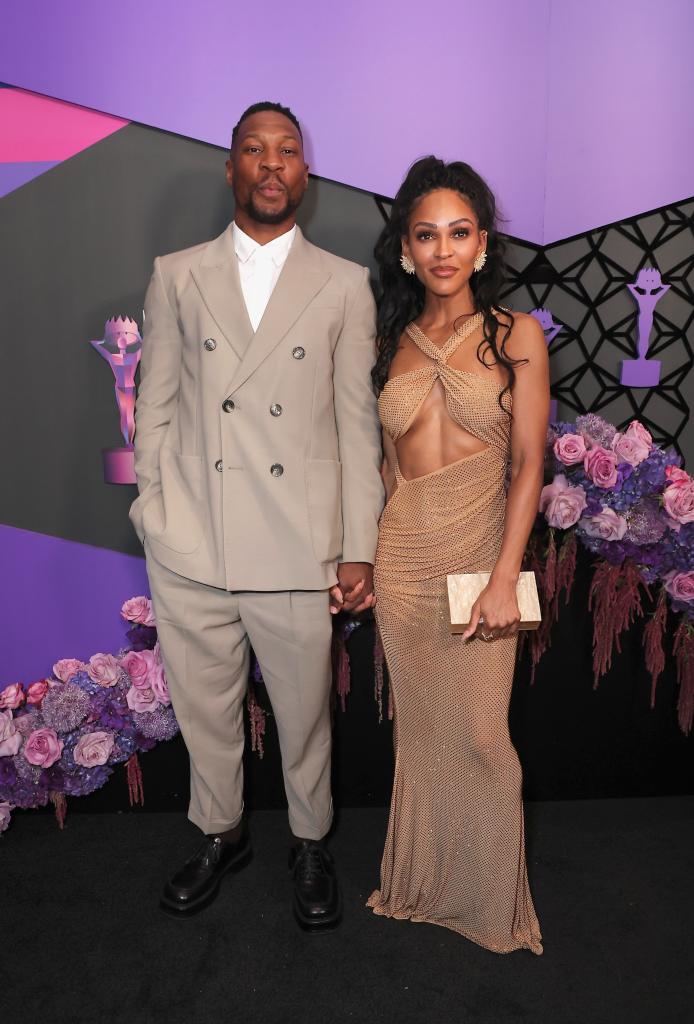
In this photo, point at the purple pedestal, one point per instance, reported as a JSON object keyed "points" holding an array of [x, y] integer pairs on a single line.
{"points": [[119, 465], [641, 373]]}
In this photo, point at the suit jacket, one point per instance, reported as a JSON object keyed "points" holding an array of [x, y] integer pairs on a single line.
{"points": [[257, 455]]}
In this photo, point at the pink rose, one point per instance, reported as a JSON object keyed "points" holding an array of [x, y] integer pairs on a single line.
{"points": [[93, 748], [629, 449], [104, 669], [606, 524], [160, 687], [677, 476], [10, 739], [12, 696], [43, 748], [639, 432], [601, 466], [562, 503], [141, 700], [139, 609], [66, 668], [680, 585], [678, 502], [5, 810], [37, 691], [139, 665], [570, 449]]}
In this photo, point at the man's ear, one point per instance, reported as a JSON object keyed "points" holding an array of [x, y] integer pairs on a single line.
{"points": [[229, 172]]}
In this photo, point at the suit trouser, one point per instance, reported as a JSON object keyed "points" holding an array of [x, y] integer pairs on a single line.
{"points": [[205, 633]]}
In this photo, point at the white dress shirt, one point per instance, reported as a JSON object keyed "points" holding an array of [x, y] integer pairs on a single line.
{"points": [[259, 268]]}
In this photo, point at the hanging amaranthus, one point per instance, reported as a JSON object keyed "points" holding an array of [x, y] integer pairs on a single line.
{"points": [[683, 648], [653, 643], [615, 601]]}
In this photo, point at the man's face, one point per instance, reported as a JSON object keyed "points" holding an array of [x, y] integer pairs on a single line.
{"points": [[266, 168]]}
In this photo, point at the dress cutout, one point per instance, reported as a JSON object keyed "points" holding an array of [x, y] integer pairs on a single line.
{"points": [[455, 851]]}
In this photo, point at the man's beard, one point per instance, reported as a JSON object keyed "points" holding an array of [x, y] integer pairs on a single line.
{"points": [[267, 216]]}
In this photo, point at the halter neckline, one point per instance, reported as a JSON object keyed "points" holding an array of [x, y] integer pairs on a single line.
{"points": [[446, 350]]}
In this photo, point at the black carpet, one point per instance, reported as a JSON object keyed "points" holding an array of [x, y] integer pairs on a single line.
{"points": [[83, 940]]}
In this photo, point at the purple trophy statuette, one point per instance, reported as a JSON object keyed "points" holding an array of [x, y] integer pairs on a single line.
{"points": [[121, 347], [551, 330], [647, 289]]}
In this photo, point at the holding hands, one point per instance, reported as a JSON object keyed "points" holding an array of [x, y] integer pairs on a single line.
{"points": [[353, 591], [495, 613]]}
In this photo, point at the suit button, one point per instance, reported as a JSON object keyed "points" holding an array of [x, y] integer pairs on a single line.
{"points": [[210, 344], [276, 469], [219, 465], [227, 405], [275, 409], [298, 352]]}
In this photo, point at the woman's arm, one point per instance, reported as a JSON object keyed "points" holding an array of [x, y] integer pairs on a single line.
{"points": [[388, 466], [497, 603]]}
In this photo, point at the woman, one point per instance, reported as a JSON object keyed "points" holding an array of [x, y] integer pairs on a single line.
{"points": [[464, 398]]}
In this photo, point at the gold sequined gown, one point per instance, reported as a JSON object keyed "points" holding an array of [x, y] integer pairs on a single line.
{"points": [[454, 852]]}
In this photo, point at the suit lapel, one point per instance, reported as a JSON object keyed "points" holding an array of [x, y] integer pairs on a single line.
{"points": [[218, 281], [301, 279]]}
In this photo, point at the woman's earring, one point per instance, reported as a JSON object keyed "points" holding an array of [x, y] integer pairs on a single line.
{"points": [[407, 264], [480, 261]]}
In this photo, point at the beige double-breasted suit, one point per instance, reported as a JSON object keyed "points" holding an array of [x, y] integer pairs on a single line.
{"points": [[257, 458]]}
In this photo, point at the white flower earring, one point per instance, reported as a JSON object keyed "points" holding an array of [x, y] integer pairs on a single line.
{"points": [[407, 264], [480, 261]]}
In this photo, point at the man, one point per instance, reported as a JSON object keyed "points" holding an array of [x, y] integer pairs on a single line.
{"points": [[257, 455]]}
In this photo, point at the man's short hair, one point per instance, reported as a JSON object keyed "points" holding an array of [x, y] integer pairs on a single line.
{"points": [[258, 108]]}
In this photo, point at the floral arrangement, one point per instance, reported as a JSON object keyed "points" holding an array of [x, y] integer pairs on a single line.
{"points": [[628, 501], [64, 735]]}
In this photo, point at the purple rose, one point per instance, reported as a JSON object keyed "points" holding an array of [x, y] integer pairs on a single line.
{"points": [[601, 467], [680, 585], [561, 503], [10, 739], [606, 525], [570, 449], [43, 748], [93, 748]]}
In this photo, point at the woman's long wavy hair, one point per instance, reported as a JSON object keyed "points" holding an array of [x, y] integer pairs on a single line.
{"points": [[402, 295]]}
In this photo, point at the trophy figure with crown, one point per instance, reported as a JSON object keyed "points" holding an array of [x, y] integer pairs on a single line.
{"points": [[121, 347]]}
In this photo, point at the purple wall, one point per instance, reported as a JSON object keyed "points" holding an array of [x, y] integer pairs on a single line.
{"points": [[60, 600], [620, 138], [377, 84], [579, 113]]}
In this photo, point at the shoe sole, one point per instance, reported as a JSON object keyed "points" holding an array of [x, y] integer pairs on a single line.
{"points": [[323, 924], [172, 909]]}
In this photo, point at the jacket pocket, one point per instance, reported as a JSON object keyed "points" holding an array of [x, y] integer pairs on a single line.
{"points": [[324, 501], [172, 517]]}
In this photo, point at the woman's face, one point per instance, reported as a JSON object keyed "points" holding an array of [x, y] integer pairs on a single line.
{"points": [[443, 241]]}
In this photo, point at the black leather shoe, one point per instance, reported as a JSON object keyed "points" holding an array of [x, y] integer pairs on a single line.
{"points": [[196, 884], [317, 902]]}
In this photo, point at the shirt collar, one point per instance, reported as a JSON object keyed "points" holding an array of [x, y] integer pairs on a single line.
{"points": [[278, 249]]}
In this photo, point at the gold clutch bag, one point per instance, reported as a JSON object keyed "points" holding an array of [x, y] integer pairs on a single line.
{"points": [[465, 588]]}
